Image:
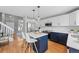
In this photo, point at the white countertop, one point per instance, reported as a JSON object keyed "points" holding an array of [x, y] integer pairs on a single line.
{"points": [[71, 42], [37, 35]]}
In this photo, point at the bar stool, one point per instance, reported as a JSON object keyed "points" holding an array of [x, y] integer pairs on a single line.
{"points": [[30, 41]]}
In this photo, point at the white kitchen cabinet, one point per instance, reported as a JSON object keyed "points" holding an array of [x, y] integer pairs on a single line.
{"points": [[62, 20], [77, 17], [74, 18], [55, 21], [70, 19]]}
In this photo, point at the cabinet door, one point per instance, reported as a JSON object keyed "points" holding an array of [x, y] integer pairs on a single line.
{"points": [[72, 19], [56, 21], [64, 20], [42, 44], [77, 17]]}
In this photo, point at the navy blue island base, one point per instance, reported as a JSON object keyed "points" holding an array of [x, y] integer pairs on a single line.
{"points": [[42, 44]]}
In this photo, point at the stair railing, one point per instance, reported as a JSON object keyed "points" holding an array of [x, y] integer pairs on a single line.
{"points": [[6, 29]]}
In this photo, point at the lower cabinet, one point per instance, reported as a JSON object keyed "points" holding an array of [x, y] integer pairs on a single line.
{"points": [[60, 38], [72, 50], [42, 44]]}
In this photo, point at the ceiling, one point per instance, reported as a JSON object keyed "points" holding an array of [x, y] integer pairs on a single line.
{"points": [[45, 11]]}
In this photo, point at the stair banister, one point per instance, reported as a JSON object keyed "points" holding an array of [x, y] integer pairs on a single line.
{"points": [[9, 30], [6, 26]]}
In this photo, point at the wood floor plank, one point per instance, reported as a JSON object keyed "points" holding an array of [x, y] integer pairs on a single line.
{"points": [[54, 47], [19, 46]]}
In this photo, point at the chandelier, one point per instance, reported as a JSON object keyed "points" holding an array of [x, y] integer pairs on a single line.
{"points": [[36, 14]]}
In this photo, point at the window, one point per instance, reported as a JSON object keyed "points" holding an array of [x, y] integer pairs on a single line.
{"points": [[20, 25]]}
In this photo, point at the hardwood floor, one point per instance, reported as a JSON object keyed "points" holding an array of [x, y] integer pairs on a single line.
{"points": [[56, 48], [19, 46]]}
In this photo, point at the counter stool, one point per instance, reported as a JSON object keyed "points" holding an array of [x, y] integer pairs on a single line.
{"points": [[30, 42]]}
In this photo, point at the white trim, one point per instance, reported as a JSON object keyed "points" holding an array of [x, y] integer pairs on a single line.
{"points": [[6, 26]]}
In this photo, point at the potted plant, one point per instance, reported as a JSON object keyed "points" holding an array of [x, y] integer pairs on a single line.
{"points": [[77, 31], [71, 31]]}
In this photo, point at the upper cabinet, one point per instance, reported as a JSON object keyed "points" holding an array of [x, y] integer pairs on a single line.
{"points": [[70, 19], [62, 20], [77, 17], [74, 18]]}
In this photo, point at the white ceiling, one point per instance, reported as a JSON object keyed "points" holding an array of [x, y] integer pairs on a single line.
{"points": [[45, 11]]}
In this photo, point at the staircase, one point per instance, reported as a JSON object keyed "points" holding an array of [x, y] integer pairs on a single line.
{"points": [[6, 31]]}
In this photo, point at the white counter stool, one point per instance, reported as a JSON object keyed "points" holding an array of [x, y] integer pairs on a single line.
{"points": [[30, 41]]}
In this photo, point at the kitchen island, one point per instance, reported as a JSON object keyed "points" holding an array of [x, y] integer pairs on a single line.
{"points": [[42, 41]]}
